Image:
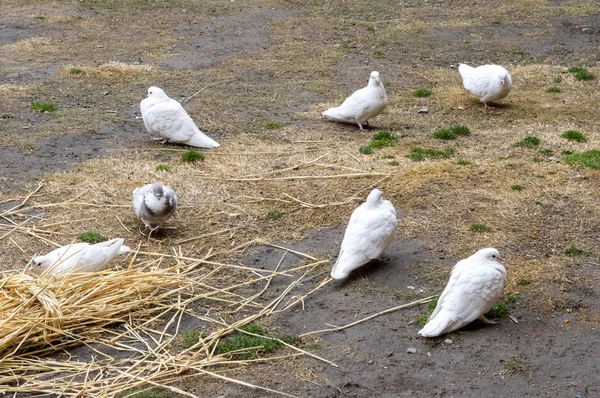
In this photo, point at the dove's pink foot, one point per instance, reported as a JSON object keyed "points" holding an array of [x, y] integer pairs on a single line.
{"points": [[486, 106], [159, 140], [485, 320]]}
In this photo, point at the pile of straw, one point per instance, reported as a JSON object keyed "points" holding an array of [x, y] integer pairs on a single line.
{"points": [[129, 320]]}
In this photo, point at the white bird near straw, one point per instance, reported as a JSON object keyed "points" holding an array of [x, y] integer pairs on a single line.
{"points": [[154, 204], [476, 284], [78, 258], [363, 104], [369, 232], [487, 82], [167, 118]]}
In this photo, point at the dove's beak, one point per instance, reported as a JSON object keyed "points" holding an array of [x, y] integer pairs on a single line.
{"points": [[501, 259]]}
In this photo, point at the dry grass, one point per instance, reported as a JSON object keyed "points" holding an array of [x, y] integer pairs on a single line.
{"points": [[310, 170], [111, 72]]}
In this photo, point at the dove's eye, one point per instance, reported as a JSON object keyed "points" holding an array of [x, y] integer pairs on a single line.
{"points": [[493, 255]]}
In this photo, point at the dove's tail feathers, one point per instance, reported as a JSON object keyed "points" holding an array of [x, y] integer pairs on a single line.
{"points": [[345, 264], [201, 140], [124, 249], [465, 70], [442, 322], [334, 113], [107, 243]]}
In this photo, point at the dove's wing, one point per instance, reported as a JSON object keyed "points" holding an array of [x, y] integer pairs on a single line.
{"points": [[65, 257], [369, 233], [95, 257], [471, 292], [478, 84], [138, 199], [169, 120]]}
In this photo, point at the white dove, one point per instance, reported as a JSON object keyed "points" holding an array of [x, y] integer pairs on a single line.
{"points": [[369, 232], [475, 285], [167, 118], [154, 204], [363, 104], [487, 82], [79, 257]]}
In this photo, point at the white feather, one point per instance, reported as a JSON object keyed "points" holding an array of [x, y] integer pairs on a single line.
{"points": [[369, 232], [167, 118], [476, 284], [363, 104], [487, 82], [79, 257], [154, 204]]}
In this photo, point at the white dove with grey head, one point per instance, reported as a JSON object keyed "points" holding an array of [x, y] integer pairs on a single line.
{"points": [[369, 232], [487, 82], [363, 104], [476, 284], [154, 204], [167, 118], [78, 258]]}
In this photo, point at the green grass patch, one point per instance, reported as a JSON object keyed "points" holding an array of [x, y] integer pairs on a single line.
{"points": [[573, 135], [44, 107], [377, 54], [480, 227], [511, 298], [421, 93], [566, 153], [553, 89], [589, 159], [274, 214], [371, 28], [192, 156], [524, 282], [394, 163], [557, 79], [272, 125], [164, 167], [366, 150], [452, 132], [546, 151], [500, 310], [573, 251], [462, 162], [253, 346], [76, 71], [581, 73], [419, 154], [91, 237], [517, 187], [383, 139], [528, 142], [189, 338], [41, 17], [422, 318], [7, 116]]}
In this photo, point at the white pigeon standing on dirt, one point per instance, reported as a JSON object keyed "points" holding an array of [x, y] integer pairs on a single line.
{"points": [[79, 257], [154, 204], [476, 284], [167, 118], [369, 232], [487, 82], [363, 104]]}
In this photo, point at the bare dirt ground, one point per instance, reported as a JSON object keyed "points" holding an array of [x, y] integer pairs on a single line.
{"points": [[256, 75]]}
